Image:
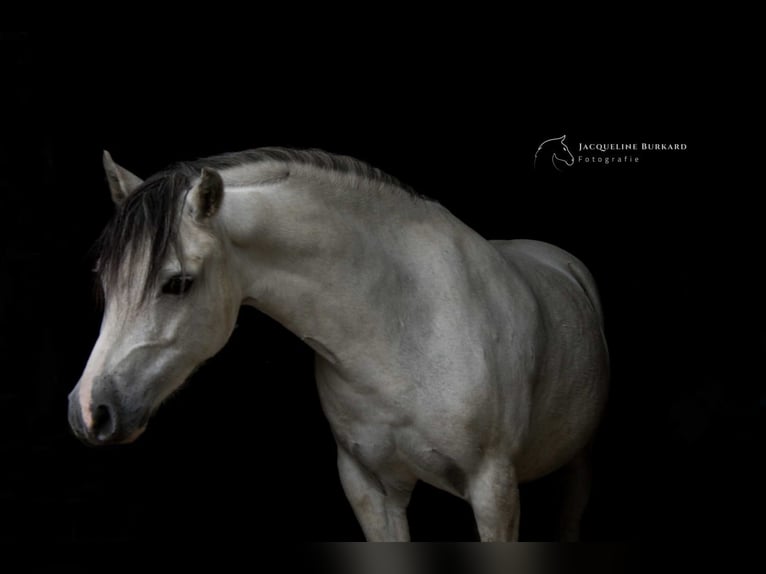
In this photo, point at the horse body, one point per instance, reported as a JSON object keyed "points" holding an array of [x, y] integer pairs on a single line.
{"points": [[504, 366], [440, 356]]}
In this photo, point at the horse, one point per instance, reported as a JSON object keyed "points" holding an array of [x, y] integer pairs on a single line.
{"points": [[555, 151], [442, 357]]}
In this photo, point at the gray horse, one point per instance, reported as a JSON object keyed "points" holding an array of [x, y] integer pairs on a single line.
{"points": [[440, 356]]}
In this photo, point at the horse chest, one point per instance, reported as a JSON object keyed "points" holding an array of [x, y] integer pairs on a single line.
{"points": [[395, 453], [396, 431]]}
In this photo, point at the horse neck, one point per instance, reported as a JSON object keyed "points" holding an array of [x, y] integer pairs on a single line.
{"points": [[321, 256]]}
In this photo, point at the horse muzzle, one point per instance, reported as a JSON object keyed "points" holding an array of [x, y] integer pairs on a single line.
{"points": [[107, 420]]}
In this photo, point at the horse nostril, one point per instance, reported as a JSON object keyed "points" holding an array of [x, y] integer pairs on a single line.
{"points": [[104, 422]]}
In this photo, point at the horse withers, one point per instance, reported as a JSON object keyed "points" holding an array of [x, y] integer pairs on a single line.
{"points": [[440, 356]]}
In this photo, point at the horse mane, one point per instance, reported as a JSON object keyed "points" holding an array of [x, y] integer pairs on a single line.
{"points": [[547, 143], [149, 217], [312, 157]]}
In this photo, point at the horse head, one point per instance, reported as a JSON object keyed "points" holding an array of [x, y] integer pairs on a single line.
{"points": [[170, 299], [555, 151]]}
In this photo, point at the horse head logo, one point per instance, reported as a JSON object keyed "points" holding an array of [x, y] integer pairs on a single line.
{"points": [[555, 152]]}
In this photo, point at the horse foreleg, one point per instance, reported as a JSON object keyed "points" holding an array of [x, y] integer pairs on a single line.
{"points": [[494, 497], [380, 509], [577, 491]]}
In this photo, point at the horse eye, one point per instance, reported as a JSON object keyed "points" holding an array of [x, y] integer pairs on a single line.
{"points": [[177, 285]]}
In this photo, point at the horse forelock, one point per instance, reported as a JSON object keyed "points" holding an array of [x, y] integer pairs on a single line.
{"points": [[143, 229]]}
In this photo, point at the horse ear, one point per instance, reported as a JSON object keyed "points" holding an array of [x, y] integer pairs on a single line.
{"points": [[121, 182], [207, 195], [562, 138]]}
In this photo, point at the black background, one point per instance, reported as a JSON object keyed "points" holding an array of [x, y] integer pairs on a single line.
{"points": [[673, 243]]}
